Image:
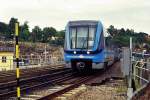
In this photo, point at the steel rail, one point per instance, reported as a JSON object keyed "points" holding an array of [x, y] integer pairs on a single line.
{"points": [[12, 84], [68, 88], [80, 81], [29, 74], [23, 71], [33, 87]]}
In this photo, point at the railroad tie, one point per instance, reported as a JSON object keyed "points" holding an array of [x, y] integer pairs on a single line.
{"points": [[25, 98], [33, 96], [60, 98], [72, 93]]}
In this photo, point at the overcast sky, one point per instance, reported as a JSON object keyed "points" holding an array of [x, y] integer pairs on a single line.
{"points": [[132, 14]]}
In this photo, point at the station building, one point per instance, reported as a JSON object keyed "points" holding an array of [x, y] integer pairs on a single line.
{"points": [[6, 59]]}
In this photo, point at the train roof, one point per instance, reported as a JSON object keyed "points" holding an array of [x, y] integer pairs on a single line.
{"points": [[82, 22]]}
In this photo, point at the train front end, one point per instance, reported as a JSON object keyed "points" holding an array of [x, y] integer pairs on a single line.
{"points": [[84, 45]]}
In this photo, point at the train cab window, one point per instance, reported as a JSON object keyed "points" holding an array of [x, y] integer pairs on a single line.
{"points": [[73, 37], [82, 37], [82, 34], [91, 37]]}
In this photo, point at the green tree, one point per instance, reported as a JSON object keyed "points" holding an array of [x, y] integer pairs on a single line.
{"points": [[36, 34], [122, 32], [3, 29], [53, 31], [24, 32], [11, 27], [61, 37], [61, 34], [128, 32], [141, 37], [112, 31], [47, 33]]}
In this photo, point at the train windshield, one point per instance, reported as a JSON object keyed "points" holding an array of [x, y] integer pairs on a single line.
{"points": [[82, 37]]}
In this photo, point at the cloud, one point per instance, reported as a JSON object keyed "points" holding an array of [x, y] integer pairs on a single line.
{"points": [[120, 13]]}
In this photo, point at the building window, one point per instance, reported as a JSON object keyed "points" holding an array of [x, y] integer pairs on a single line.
{"points": [[3, 69], [4, 59]]}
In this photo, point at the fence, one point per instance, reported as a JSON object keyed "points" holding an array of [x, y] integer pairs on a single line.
{"points": [[141, 68], [27, 62], [136, 67], [141, 71]]}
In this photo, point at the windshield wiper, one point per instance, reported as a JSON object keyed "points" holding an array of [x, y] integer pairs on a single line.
{"points": [[83, 44]]}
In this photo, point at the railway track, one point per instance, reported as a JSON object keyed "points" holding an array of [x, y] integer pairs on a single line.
{"points": [[9, 89], [25, 73], [61, 91], [54, 85], [101, 75]]}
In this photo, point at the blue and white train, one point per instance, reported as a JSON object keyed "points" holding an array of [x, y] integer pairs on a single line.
{"points": [[85, 46]]}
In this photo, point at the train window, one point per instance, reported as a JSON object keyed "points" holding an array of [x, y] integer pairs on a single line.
{"points": [[82, 33], [82, 37], [91, 37], [91, 33], [73, 35]]}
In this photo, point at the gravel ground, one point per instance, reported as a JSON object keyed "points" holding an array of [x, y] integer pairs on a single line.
{"points": [[113, 90]]}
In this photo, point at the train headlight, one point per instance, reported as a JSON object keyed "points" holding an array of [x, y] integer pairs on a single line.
{"points": [[88, 52], [74, 52]]}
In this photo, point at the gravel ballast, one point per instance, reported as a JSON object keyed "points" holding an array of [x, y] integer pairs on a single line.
{"points": [[113, 90]]}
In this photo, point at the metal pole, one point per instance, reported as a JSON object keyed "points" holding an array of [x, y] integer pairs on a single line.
{"points": [[45, 54], [130, 89], [17, 60], [130, 70]]}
